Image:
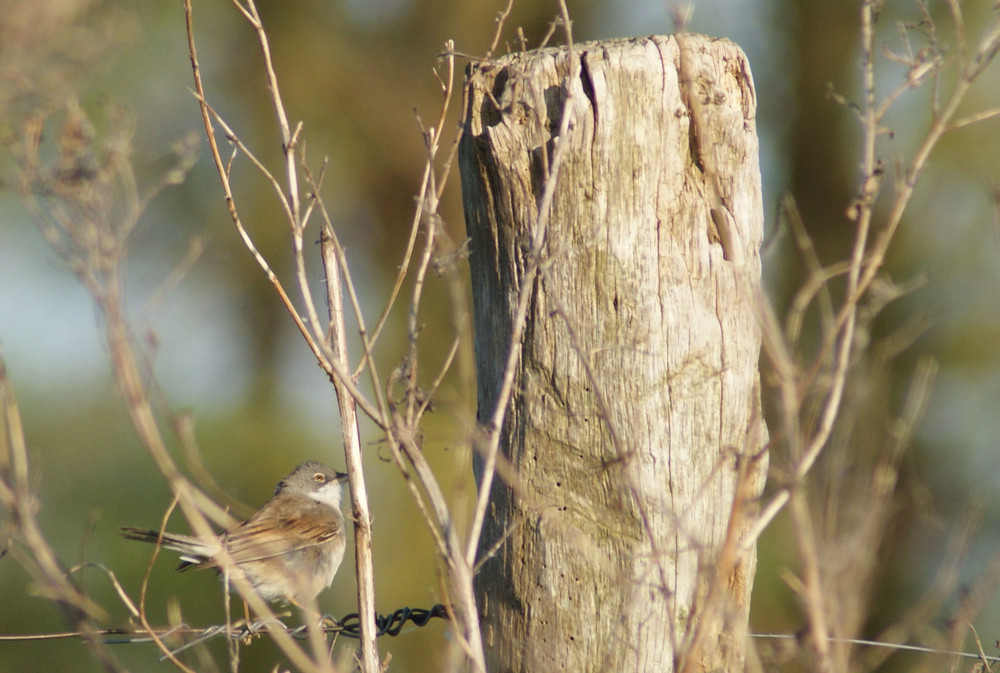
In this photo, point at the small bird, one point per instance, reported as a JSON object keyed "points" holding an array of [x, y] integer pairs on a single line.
{"points": [[289, 550]]}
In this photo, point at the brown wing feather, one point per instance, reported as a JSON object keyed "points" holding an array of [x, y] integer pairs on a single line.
{"points": [[275, 534]]}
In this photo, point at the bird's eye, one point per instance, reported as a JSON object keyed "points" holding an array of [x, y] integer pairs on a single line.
{"points": [[319, 477]]}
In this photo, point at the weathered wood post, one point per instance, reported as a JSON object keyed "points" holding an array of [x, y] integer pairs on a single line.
{"points": [[616, 543]]}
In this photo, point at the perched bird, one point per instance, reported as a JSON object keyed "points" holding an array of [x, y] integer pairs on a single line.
{"points": [[289, 550]]}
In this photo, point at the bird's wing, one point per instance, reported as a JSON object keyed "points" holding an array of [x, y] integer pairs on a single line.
{"points": [[267, 536]]}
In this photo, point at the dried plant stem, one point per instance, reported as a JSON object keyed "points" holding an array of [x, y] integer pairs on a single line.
{"points": [[332, 355], [352, 453], [332, 368], [822, 387], [17, 499], [867, 255]]}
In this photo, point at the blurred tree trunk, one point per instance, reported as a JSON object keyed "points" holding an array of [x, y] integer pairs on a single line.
{"points": [[612, 537]]}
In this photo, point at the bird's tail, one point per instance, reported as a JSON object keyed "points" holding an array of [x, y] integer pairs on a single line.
{"points": [[195, 552]]}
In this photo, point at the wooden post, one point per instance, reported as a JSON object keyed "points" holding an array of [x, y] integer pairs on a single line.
{"points": [[630, 451]]}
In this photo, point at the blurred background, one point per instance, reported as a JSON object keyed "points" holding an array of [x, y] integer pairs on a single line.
{"points": [[359, 74]]}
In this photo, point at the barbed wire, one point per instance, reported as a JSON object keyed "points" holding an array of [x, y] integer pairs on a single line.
{"points": [[879, 643], [349, 626], [386, 625]]}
